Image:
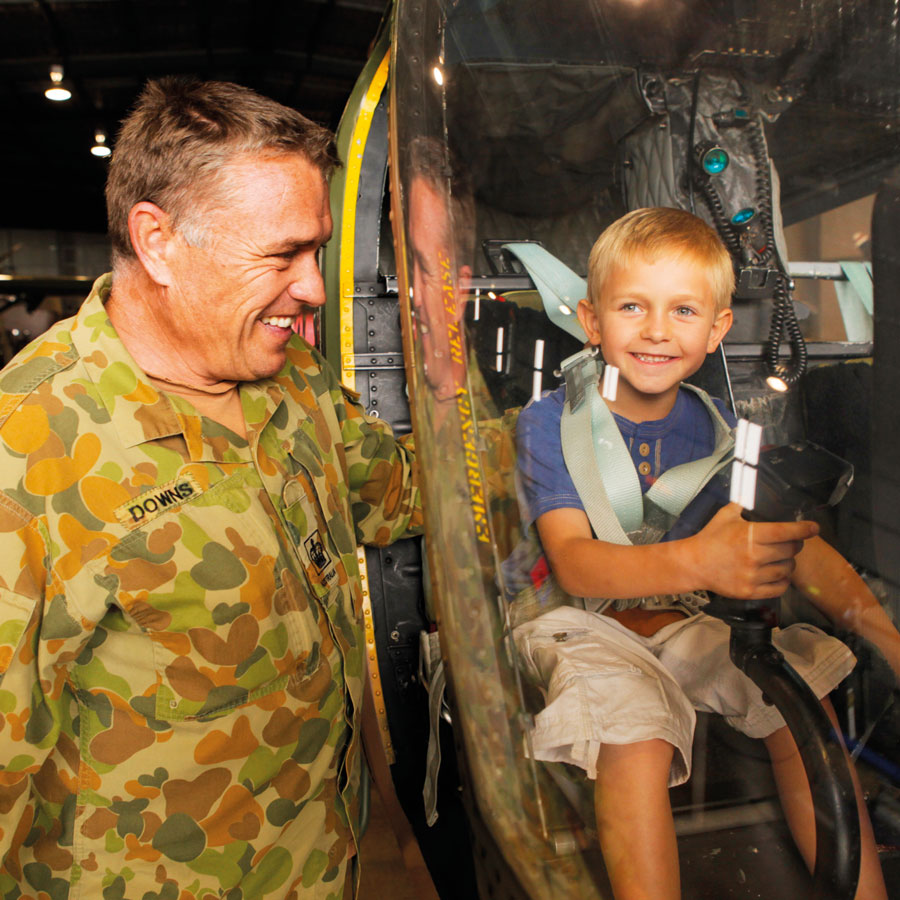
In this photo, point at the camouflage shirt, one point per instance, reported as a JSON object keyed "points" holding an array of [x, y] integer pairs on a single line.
{"points": [[180, 640]]}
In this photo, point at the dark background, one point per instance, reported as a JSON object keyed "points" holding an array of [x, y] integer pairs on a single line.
{"points": [[304, 53]]}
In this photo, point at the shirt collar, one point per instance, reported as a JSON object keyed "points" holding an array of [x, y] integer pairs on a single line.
{"points": [[653, 429], [139, 411]]}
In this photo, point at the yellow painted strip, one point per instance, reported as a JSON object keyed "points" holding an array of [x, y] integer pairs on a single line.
{"points": [[353, 163], [372, 661], [347, 285]]}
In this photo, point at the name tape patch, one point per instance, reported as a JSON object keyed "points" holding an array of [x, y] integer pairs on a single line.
{"points": [[158, 500]]}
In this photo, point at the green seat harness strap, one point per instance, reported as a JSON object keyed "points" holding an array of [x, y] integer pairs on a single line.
{"points": [[602, 469], [560, 288], [676, 487], [592, 445]]}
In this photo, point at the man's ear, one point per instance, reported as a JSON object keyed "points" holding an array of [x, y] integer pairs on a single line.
{"points": [[587, 316], [721, 324], [151, 232]]}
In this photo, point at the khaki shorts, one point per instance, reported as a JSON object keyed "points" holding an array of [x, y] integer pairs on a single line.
{"points": [[606, 684]]}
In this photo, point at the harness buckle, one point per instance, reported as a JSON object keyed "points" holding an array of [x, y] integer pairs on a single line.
{"points": [[580, 370]]}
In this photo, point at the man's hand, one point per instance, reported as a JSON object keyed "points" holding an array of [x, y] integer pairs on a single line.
{"points": [[748, 560]]}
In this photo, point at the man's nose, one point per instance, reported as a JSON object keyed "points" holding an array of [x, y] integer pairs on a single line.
{"points": [[308, 286]]}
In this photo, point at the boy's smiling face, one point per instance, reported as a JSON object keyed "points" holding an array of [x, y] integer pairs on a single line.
{"points": [[656, 321]]}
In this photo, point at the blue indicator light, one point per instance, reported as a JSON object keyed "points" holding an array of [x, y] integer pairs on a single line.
{"points": [[714, 161], [742, 216], [741, 114]]}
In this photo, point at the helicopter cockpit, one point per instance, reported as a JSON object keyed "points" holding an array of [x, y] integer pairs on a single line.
{"points": [[508, 135]]}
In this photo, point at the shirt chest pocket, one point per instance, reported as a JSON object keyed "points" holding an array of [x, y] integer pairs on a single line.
{"points": [[227, 616]]}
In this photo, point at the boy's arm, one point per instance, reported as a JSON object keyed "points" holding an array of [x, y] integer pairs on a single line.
{"points": [[831, 584], [731, 556]]}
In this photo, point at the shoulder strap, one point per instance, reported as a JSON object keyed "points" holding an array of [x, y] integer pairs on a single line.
{"points": [[676, 487], [595, 454], [22, 378]]}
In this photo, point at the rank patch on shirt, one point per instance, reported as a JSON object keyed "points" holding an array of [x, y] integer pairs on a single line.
{"points": [[319, 556], [162, 498]]}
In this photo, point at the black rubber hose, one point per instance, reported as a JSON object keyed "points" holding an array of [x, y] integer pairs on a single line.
{"points": [[838, 853], [757, 138], [714, 204]]}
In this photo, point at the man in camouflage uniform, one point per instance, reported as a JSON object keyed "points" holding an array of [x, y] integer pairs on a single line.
{"points": [[184, 485]]}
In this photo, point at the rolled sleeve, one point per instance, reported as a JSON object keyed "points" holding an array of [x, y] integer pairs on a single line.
{"points": [[382, 475]]}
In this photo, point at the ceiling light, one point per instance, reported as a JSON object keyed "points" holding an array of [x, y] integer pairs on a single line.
{"points": [[100, 148], [56, 91], [438, 75]]}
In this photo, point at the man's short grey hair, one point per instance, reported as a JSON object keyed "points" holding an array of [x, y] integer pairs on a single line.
{"points": [[180, 134]]}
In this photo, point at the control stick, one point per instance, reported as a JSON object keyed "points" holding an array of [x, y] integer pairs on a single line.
{"points": [[789, 483]]}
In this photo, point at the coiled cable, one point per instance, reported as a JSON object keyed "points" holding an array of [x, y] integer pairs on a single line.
{"points": [[717, 211], [784, 317], [784, 321]]}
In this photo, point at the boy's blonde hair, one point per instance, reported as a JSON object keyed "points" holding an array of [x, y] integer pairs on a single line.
{"points": [[653, 232]]}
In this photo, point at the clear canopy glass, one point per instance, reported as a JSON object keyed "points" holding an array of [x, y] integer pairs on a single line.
{"points": [[517, 123]]}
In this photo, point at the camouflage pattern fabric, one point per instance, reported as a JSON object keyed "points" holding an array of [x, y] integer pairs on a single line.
{"points": [[180, 640], [498, 458]]}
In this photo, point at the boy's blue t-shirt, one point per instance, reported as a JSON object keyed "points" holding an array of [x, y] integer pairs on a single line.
{"points": [[685, 434]]}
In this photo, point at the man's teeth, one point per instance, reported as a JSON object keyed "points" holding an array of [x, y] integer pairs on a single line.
{"points": [[278, 321]]}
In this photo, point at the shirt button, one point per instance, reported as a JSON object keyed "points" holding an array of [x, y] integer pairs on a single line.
{"points": [[644, 449], [644, 468]]}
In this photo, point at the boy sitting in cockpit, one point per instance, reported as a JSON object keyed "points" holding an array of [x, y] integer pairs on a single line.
{"points": [[625, 668]]}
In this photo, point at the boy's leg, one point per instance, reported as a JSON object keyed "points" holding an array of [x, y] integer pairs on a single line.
{"points": [[796, 801], [634, 820]]}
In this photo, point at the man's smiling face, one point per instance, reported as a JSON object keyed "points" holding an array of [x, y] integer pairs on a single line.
{"points": [[235, 295]]}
